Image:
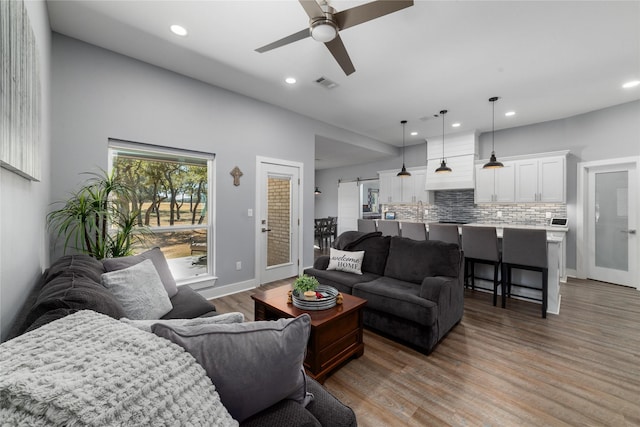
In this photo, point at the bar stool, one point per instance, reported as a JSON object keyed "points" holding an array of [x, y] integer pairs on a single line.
{"points": [[367, 225], [413, 230], [480, 245], [444, 232], [389, 228], [525, 250]]}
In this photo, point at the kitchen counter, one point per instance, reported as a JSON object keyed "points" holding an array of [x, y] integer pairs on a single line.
{"points": [[556, 253]]}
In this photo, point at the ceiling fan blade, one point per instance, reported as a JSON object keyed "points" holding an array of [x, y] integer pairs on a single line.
{"points": [[312, 8], [302, 34], [339, 52], [368, 11]]}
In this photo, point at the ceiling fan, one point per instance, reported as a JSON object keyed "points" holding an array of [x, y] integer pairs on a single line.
{"points": [[325, 24]]}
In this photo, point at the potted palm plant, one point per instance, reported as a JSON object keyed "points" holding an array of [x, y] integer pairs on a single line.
{"points": [[97, 219]]}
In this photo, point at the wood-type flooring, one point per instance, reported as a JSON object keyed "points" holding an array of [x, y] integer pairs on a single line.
{"points": [[502, 367]]}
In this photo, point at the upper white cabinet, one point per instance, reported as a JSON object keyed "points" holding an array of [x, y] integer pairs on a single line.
{"points": [[411, 189], [524, 179], [541, 180], [460, 154], [495, 185]]}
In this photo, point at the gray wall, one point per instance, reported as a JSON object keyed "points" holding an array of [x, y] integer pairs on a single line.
{"points": [[603, 134], [23, 204], [98, 94]]}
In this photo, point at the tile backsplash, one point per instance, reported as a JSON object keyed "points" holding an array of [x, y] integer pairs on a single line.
{"points": [[458, 205]]}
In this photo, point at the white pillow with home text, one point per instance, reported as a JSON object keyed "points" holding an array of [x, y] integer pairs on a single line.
{"points": [[351, 262]]}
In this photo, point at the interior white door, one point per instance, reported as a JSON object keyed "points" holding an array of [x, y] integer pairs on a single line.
{"points": [[612, 238], [349, 206], [278, 226]]}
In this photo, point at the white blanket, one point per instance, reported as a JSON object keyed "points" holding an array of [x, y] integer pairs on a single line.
{"points": [[89, 369]]}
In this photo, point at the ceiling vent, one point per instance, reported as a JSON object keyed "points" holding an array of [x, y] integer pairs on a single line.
{"points": [[326, 83]]}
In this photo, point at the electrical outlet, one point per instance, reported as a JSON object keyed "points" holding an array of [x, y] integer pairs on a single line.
{"points": [[426, 212], [249, 212], [499, 214], [238, 265], [547, 215]]}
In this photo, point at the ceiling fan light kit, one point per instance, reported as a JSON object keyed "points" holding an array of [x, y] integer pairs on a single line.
{"points": [[325, 24], [493, 162]]}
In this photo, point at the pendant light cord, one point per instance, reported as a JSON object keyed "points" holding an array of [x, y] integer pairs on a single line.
{"points": [[404, 123]]}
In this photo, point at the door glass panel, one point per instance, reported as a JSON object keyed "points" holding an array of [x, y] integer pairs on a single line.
{"points": [[278, 220], [612, 220]]}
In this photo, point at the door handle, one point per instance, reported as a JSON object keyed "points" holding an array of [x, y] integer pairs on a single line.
{"points": [[264, 230], [628, 231]]}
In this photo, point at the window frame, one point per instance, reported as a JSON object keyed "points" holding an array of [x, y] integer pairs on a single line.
{"points": [[202, 280]]}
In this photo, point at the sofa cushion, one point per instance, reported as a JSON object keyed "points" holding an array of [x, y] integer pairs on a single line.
{"points": [[348, 261], [340, 280], [413, 260], [398, 298], [71, 292], [188, 304], [253, 365], [139, 290], [159, 261], [77, 265]]}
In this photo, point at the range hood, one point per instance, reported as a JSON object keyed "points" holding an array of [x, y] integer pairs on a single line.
{"points": [[460, 152]]}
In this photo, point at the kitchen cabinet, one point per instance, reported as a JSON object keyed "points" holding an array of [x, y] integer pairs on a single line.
{"points": [[495, 185], [411, 189], [540, 180]]}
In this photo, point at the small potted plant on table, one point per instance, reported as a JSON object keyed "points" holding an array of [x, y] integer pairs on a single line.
{"points": [[306, 286]]}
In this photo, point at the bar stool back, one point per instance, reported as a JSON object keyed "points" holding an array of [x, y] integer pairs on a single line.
{"points": [[444, 232], [389, 228], [480, 245], [413, 230], [367, 225], [525, 250]]}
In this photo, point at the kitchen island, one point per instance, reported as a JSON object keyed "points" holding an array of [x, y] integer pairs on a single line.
{"points": [[556, 253]]}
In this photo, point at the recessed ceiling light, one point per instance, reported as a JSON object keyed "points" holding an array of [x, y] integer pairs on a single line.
{"points": [[510, 113], [455, 125], [178, 30], [414, 133], [629, 85], [290, 80]]}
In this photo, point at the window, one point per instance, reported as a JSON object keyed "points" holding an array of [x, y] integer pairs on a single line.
{"points": [[171, 193]]}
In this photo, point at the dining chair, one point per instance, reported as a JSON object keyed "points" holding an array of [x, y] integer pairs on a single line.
{"points": [[444, 232], [480, 246], [389, 228], [367, 225], [413, 230]]}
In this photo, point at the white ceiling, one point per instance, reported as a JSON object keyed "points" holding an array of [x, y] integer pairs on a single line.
{"points": [[545, 59]]}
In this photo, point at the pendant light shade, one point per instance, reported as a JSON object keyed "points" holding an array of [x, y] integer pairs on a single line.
{"points": [[443, 164], [317, 191], [403, 172], [493, 162]]}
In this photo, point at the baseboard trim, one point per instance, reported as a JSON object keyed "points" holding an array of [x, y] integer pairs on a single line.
{"points": [[233, 288]]}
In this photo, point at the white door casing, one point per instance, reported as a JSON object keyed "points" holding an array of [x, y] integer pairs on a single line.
{"points": [[278, 231]]}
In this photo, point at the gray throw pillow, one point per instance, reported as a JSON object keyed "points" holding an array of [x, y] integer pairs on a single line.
{"points": [[145, 325], [159, 261], [253, 365], [139, 290]]}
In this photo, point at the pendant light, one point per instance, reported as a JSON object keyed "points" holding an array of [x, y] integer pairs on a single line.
{"points": [[403, 172], [493, 163], [443, 165], [317, 191]]}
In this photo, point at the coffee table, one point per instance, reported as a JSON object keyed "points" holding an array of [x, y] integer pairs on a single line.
{"points": [[336, 333]]}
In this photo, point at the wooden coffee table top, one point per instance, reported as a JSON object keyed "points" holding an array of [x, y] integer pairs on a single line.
{"points": [[276, 299]]}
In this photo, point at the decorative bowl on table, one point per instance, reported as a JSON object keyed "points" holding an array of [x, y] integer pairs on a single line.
{"points": [[328, 300]]}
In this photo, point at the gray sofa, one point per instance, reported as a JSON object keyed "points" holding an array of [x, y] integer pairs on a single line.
{"points": [[414, 289], [73, 283]]}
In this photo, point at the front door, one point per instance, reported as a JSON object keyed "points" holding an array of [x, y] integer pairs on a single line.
{"points": [[612, 239], [278, 220]]}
